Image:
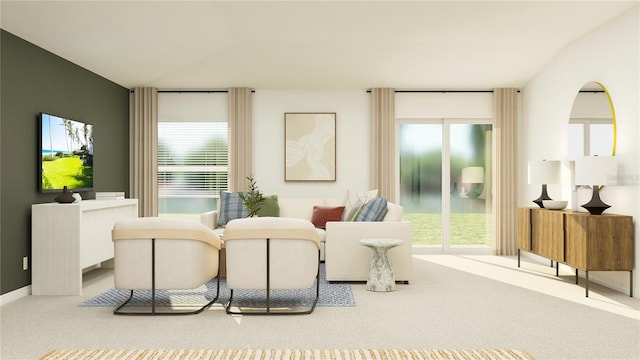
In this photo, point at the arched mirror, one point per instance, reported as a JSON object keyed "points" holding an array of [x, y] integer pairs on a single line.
{"points": [[592, 124], [592, 131]]}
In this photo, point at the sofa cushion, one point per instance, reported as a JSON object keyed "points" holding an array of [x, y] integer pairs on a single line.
{"points": [[322, 214], [394, 212], [301, 208], [374, 210], [231, 207], [353, 202], [269, 207]]}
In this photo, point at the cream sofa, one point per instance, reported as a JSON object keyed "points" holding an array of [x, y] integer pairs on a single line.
{"points": [[345, 259]]}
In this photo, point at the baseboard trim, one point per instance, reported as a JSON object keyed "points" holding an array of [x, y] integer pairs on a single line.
{"points": [[15, 295]]}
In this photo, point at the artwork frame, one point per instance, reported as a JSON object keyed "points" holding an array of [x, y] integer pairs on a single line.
{"points": [[306, 132]]}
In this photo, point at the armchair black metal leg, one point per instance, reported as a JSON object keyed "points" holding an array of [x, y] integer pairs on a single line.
{"points": [[207, 305], [227, 308], [153, 311], [268, 310], [119, 311]]}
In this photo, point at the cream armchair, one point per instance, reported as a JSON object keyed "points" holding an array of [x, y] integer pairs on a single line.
{"points": [[163, 254], [270, 253]]}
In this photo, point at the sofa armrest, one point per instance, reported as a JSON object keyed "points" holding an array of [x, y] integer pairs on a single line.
{"points": [[347, 260], [210, 219]]}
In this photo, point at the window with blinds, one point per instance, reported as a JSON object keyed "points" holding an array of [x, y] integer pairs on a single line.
{"points": [[192, 159], [192, 151]]}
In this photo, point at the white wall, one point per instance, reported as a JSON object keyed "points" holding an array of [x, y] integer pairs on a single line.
{"points": [[608, 55], [353, 169], [353, 128], [444, 105]]}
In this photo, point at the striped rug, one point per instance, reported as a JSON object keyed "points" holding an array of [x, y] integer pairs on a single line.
{"points": [[289, 354]]}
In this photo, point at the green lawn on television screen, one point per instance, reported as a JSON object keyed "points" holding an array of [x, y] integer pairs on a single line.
{"points": [[67, 171]]}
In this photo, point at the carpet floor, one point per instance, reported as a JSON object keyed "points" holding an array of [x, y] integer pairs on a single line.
{"points": [[290, 354], [453, 302], [331, 295]]}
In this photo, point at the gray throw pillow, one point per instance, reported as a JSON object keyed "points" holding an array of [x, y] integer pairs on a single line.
{"points": [[231, 207], [374, 210]]}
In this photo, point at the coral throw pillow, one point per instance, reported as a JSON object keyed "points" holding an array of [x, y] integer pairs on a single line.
{"points": [[322, 214]]}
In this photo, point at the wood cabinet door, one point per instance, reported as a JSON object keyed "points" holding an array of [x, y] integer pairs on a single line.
{"points": [[524, 229], [600, 242], [547, 233]]}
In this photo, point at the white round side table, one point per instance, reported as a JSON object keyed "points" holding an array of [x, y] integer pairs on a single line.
{"points": [[380, 272]]}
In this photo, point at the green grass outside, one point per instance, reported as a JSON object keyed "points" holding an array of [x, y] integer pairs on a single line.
{"points": [[66, 171], [466, 228]]}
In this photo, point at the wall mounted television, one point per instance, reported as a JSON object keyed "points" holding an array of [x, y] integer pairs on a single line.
{"points": [[65, 156]]}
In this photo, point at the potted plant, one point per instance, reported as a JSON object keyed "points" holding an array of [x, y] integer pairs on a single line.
{"points": [[253, 198]]}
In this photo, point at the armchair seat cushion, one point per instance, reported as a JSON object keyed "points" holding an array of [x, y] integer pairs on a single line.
{"points": [[271, 228]]}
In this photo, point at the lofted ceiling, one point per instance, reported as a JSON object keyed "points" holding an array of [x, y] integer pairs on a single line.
{"points": [[309, 44]]}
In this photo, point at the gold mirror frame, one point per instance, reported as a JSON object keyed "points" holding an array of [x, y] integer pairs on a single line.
{"points": [[613, 119], [588, 88]]}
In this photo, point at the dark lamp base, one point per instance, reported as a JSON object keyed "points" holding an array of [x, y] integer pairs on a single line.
{"points": [[543, 196], [595, 206]]}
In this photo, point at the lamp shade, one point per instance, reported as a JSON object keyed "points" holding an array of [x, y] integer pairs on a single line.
{"points": [[596, 170], [544, 172], [472, 175]]}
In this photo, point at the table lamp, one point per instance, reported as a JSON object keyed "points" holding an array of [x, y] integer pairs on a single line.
{"points": [[596, 171], [473, 175], [544, 172]]}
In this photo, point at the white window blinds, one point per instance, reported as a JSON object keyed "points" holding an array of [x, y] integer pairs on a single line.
{"points": [[192, 145]]}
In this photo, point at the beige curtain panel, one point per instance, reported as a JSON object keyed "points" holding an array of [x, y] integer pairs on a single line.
{"points": [[145, 150], [240, 164], [383, 142], [506, 185]]}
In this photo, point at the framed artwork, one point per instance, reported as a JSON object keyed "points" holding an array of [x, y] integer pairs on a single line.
{"points": [[310, 146]]}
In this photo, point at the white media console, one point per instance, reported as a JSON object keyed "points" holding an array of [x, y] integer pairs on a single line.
{"points": [[67, 238]]}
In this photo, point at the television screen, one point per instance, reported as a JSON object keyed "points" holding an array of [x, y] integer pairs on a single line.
{"points": [[66, 154]]}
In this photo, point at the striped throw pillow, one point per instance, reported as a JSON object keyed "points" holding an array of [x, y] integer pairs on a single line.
{"points": [[374, 210], [231, 207]]}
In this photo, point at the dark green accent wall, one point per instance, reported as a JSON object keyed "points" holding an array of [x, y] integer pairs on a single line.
{"points": [[33, 80]]}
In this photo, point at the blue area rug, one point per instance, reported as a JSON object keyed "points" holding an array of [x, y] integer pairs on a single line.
{"points": [[331, 295]]}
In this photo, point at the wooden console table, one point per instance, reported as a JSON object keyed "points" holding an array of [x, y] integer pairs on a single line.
{"points": [[580, 240], [67, 238]]}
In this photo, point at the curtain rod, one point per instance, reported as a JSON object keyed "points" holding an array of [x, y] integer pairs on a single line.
{"points": [[442, 91], [193, 91]]}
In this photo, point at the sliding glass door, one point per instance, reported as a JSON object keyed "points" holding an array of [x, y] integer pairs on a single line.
{"points": [[446, 183]]}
